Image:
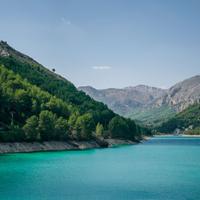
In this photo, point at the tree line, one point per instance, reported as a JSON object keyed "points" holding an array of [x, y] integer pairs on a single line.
{"points": [[31, 113]]}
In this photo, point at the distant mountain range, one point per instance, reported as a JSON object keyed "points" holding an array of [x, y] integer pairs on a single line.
{"points": [[149, 105]]}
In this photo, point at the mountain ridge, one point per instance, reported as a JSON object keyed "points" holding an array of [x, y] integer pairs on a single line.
{"points": [[141, 100]]}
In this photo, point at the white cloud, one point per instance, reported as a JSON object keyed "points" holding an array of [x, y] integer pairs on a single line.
{"points": [[65, 21], [101, 67]]}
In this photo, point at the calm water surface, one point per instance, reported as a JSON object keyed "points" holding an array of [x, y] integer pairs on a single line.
{"points": [[164, 168]]}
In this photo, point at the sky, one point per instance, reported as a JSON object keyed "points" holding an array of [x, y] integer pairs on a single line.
{"points": [[107, 43]]}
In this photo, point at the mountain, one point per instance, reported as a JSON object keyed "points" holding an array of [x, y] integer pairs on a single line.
{"points": [[139, 102], [149, 105], [182, 94], [126, 100], [187, 121], [38, 104]]}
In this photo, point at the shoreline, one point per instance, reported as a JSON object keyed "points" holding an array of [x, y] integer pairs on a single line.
{"points": [[180, 135], [47, 146], [186, 135]]}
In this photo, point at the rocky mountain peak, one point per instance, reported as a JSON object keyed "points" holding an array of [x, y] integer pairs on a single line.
{"points": [[4, 49], [182, 94]]}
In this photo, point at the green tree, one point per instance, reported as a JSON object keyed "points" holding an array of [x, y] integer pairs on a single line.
{"points": [[118, 127], [132, 130], [31, 129], [72, 119], [85, 126], [58, 106], [99, 130], [23, 102], [61, 129], [47, 125]]}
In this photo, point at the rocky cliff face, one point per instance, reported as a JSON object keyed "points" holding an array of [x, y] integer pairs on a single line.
{"points": [[6, 51], [182, 94], [3, 49]]}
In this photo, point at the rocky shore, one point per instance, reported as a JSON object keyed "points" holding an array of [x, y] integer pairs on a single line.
{"points": [[17, 147]]}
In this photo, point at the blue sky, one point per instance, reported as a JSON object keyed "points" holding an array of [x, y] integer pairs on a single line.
{"points": [[108, 43]]}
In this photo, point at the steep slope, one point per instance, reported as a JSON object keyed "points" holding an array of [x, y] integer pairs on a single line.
{"points": [[38, 75], [85, 113], [188, 121], [182, 94], [29, 113]]}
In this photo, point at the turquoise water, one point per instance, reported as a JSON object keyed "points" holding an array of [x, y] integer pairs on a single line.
{"points": [[162, 168]]}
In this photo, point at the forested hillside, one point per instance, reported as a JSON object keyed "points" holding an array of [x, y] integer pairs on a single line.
{"points": [[187, 121], [37, 104]]}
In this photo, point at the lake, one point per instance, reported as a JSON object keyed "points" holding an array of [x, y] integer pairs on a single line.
{"points": [[163, 168]]}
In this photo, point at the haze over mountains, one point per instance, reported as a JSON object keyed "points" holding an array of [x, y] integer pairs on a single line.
{"points": [[149, 104]]}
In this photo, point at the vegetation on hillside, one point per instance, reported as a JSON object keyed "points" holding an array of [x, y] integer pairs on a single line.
{"points": [[154, 116], [187, 121], [54, 111]]}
